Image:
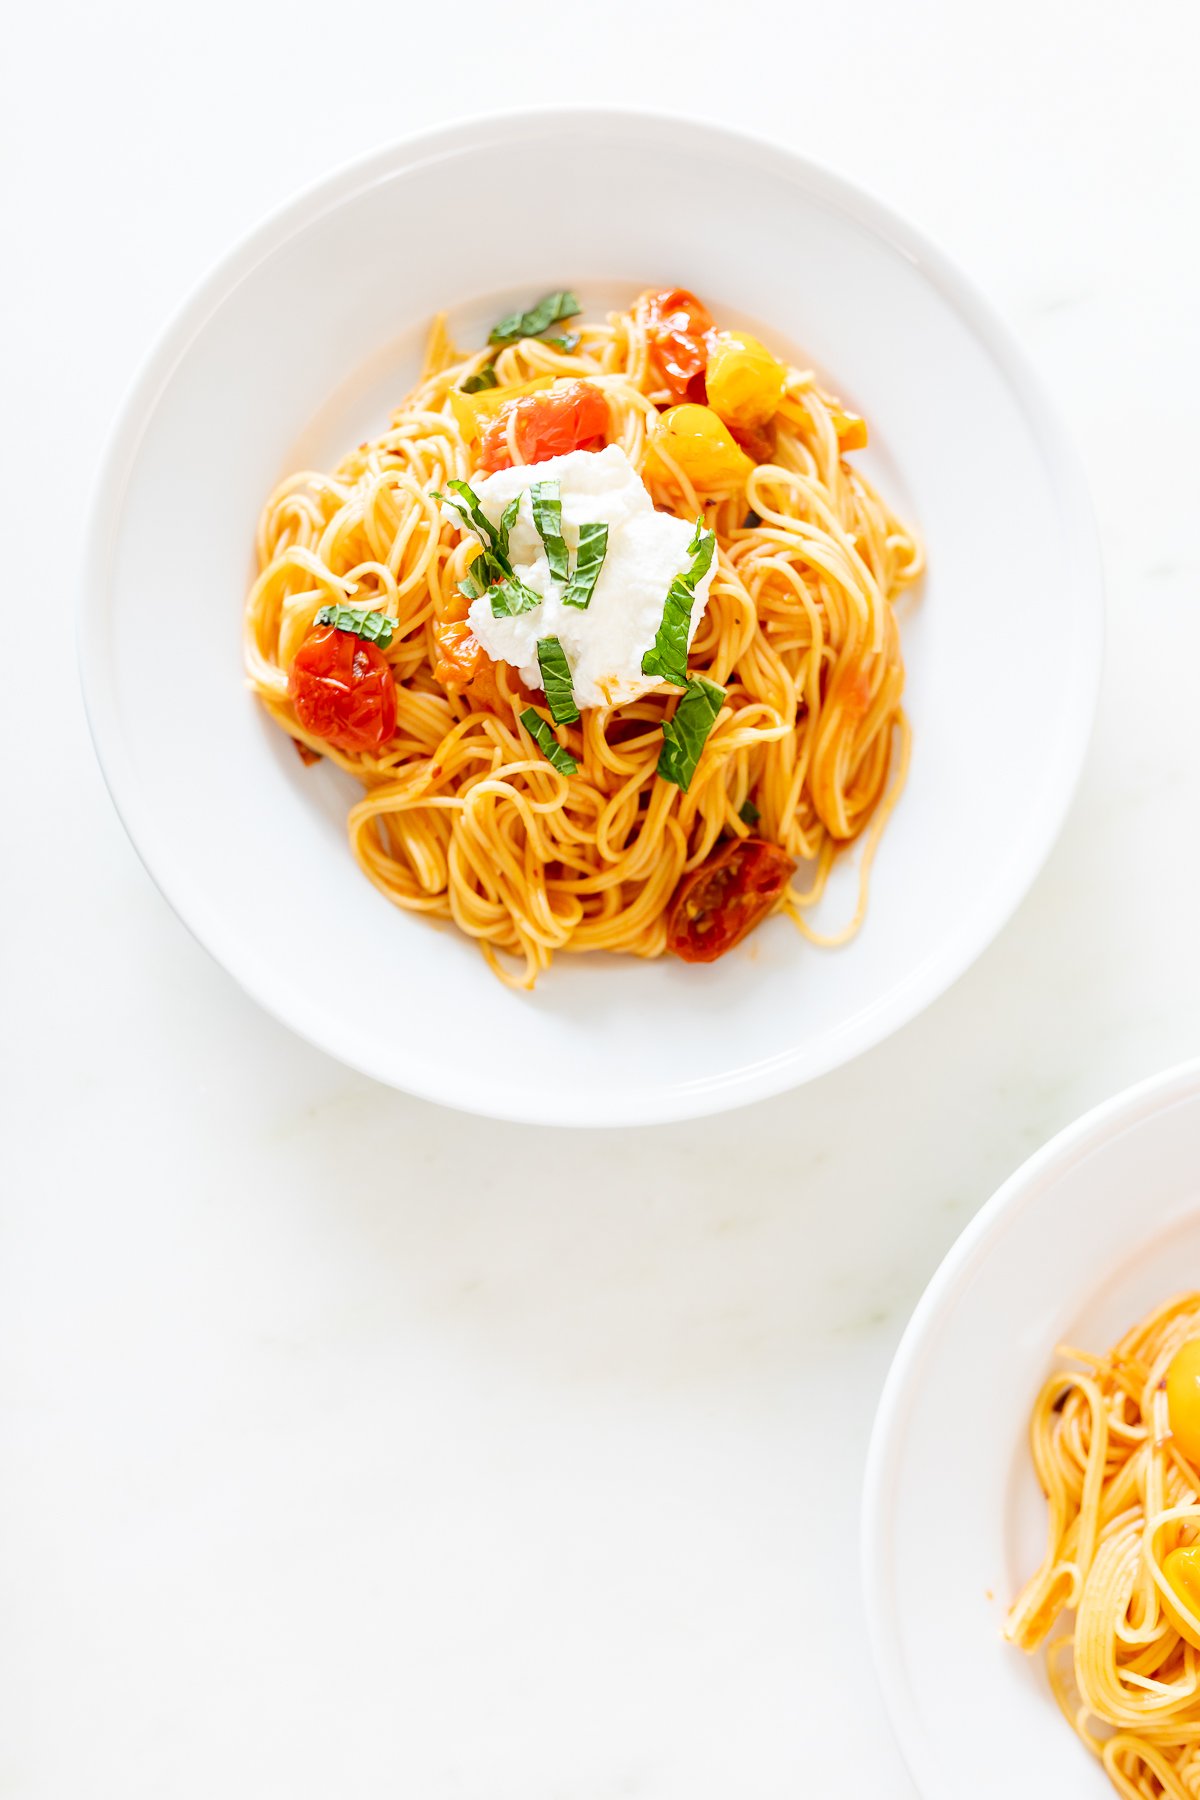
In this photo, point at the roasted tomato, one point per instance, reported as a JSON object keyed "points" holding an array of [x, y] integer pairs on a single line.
{"points": [[745, 382], [572, 417], [464, 663], [700, 446], [851, 430], [714, 907], [678, 329], [1183, 1399], [343, 691]]}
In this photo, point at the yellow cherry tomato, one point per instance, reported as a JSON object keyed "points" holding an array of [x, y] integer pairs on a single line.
{"points": [[851, 430], [1181, 1572], [743, 380], [1183, 1399], [699, 445]]}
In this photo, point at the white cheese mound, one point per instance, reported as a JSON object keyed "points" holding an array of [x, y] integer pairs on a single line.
{"points": [[605, 641]]}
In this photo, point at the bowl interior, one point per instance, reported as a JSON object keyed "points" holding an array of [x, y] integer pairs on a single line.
{"points": [[301, 342], [1083, 1243]]}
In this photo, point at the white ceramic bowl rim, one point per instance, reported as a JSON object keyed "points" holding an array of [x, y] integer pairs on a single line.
{"points": [[1023, 1189], [219, 936]]}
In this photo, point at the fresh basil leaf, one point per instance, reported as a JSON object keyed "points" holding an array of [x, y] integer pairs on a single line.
{"points": [[465, 502], [508, 519], [701, 550], [491, 569], [375, 627], [539, 318], [748, 813], [556, 680], [667, 656], [510, 597], [569, 341], [543, 736], [589, 560], [546, 498], [482, 379], [685, 736]]}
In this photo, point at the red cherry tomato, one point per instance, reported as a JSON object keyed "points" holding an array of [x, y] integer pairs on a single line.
{"points": [[715, 906], [342, 690], [677, 330], [574, 417]]}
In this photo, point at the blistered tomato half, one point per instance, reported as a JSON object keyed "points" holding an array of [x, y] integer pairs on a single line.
{"points": [[343, 691], [700, 446], [573, 417], [745, 382], [715, 906]]}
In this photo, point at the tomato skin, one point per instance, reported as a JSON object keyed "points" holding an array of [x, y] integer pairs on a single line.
{"points": [[716, 905], [700, 445], [343, 691], [572, 417], [678, 330], [464, 663], [851, 430]]}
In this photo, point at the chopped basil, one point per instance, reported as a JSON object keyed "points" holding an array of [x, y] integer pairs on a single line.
{"points": [[685, 736], [543, 736], [483, 378], [546, 499], [748, 813], [465, 502], [510, 597], [667, 656], [508, 519], [701, 550], [539, 318], [556, 680], [589, 560], [491, 570], [376, 627], [567, 342]]}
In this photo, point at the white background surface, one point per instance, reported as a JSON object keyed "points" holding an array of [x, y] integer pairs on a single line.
{"points": [[353, 1447]]}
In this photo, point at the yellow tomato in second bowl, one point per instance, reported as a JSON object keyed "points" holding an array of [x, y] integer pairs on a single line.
{"points": [[1183, 1399], [1181, 1572]]}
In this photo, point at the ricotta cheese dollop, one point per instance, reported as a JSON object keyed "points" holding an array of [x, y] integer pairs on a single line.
{"points": [[604, 642]]}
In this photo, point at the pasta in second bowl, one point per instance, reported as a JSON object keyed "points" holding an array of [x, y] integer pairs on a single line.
{"points": [[303, 345], [1032, 1478]]}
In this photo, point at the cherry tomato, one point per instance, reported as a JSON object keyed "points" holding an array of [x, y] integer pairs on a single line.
{"points": [[715, 906], [851, 430], [1183, 1399], [699, 445], [464, 663], [745, 382], [678, 329], [342, 690], [573, 417], [1181, 1571]]}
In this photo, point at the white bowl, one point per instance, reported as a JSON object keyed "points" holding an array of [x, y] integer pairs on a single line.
{"points": [[1087, 1237], [298, 344]]}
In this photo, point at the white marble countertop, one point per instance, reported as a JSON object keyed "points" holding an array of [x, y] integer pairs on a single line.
{"points": [[337, 1458]]}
